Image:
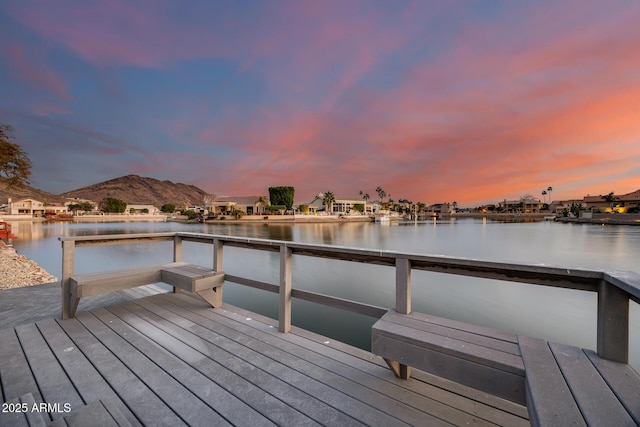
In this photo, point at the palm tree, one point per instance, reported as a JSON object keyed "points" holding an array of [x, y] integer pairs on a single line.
{"points": [[609, 198], [549, 190], [366, 197], [328, 200], [544, 193], [381, 193]]}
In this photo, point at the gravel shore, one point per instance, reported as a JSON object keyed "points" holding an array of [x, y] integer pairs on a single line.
{"points": [[17, 271]]}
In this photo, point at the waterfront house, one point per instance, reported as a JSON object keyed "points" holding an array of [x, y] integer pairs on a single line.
{"points": [[621, 204], [344, 206], [26, 207], [250, 205], [55, 209], [142, 209]]}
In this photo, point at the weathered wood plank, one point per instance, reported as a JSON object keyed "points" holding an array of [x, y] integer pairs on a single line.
{"points": [[549, 398], [52, 380], [424, 323], [185, 404], [597, 402], [462, 326], [14, 418], [306, 357], [84, 285], [438, 343], [176, 360], [84, 376], [97, 413], [281, 402], [17, 378], [146, 406], [622, 379], [34, 418], [253, 351], [480, 406], [315, 366]]}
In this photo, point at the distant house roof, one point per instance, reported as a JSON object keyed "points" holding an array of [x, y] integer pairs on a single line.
{"points": [[239, 200], [634, 196]]}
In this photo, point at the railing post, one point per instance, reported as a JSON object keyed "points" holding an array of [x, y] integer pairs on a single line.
{"points": [[403, 285], [285, 289], [613, 323], [177, 248], [68, 261], [217, 254]]}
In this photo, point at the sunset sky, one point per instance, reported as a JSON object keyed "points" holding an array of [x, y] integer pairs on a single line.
{"points": [[434, 101]]}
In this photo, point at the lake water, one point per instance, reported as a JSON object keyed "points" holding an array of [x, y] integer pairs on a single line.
{"points": [[559, 315]]}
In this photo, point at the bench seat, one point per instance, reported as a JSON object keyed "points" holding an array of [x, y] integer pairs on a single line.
{"points": [[566, 385], [479, 357], [205, 282], [560, 384]]}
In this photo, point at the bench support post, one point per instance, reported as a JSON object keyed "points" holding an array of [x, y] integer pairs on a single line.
{"points": [[613, 323], [401, 371], [68, 261], [285, 289]]}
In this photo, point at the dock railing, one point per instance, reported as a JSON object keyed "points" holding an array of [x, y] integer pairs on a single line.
{"points": [[614, 288]]}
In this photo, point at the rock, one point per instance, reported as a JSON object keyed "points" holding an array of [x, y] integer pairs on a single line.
{"points": [[18, 271]]}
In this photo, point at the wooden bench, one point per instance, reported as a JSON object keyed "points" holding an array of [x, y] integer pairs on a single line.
{"points": [[569, 386], [479, 357], [205, 282]]}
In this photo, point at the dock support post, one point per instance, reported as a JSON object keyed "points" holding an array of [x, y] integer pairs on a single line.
{"points": [[177, 255], [613, 323], [403, 285], [217, 255], [177, 248], [285, 289], [68, 261]]}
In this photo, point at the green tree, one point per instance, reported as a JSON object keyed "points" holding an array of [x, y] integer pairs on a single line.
{"points": [[328, 200], [168, 208], [189, 213], [74, 207], [281, 196], [576, 208], [15, 166], [112, 205], [87, 206]]}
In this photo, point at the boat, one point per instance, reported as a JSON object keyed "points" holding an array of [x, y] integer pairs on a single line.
{"points": [[5, 231]]}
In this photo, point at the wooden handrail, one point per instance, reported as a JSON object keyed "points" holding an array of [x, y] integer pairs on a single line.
{"points": [[614, 288]]}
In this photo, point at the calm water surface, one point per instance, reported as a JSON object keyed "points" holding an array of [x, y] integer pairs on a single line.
{"points": [[554, 314]]}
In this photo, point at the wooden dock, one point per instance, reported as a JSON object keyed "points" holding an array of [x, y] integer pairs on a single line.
{"points": [[170, 359], [142, 356]]}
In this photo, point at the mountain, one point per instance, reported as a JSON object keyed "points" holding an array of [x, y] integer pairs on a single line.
{"points": [[132, 189], [25, 192], [139, 190]]}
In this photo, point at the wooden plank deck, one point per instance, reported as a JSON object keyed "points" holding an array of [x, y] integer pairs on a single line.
{"points": [[170, 359]]}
